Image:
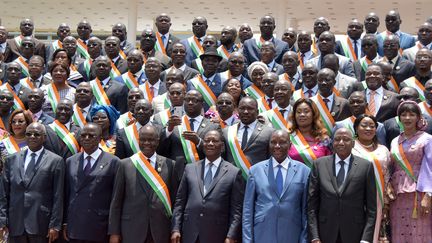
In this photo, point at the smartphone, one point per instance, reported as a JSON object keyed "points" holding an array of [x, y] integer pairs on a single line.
{"points": [[177, 111]]}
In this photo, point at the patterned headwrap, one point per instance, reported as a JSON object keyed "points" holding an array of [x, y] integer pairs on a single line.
{"points": [[111, 112]]}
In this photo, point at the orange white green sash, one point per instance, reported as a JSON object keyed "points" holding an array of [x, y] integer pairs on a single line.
{"points": [[57, 45], [78, 117], [152, 177], [414, 83], [254, 92], [24, 65], [336, 92], [145, 87], [276, 119], [131, 132], [18, 104], [365, 62], [82, 49], [348, 49], [399, 155], [18, 40], [349, 123], [129, 80], [300, 60], [125, 120], [314, 46], [327, 118], [285, 76], [240, 158], [165, 115], [108, 146], [122, 54], [53, 96], [195, 46], [298, 94], [66, 136], [259, 42], [199, 65], [114, 71], [223, 52], [99, 92], [392, 85], [262, 105], [189, 148], [204, 89], [303, 148], [159, 45], [425, 108], [87, 66], [11, 145], [27, 83], [379, 175], [400, 124], [166, 100]]}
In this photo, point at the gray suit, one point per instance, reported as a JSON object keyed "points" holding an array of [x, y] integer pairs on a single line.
{"points": [[32, 204], [346, 85], [345, 64], [212, 216], [188, 73], [136, 211], [256, 149]]}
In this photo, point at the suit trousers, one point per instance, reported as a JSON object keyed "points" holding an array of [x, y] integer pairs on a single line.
{"points": [[86, 241], [27, 238], [149, 238]]}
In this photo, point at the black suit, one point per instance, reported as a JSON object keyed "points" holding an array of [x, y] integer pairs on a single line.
{"points": [[252, 52], [171, 41], [348, 212], [212, 216], [403, 69], [136, 211], [340, 108], [117, 94], [121, 65], [88, 198], [32, 203]]}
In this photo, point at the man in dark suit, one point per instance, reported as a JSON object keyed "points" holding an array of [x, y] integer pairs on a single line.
{"points": [[84, 31], [292, 74], [251, 47], [423, 63], [6, 104], [36, 99], [176, 93], [236, 69], [369, 48], [227, 42], [194, 43], [3, 40], [86, 68], [135, 62], [402, 68], [381, 102], [209, 201], [142, 203], [350, 45], [126, 119], [178, 55], [89, 182], [252, 135], [153, 83], [13, 49], [112, 50], [267, 54], [424, 38], [63, 30], [304, 43], [115, 91], [162, 102], [163, 25], [36, 76], [245, 33], [209, 42], [13, 84], [31, 205], [147, 47], [119, 31], [342, 195]]}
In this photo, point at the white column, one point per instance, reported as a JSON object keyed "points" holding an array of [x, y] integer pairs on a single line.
{"points": [[132, 21], [281, 17]]}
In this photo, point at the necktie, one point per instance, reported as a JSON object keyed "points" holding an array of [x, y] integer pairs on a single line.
{"points": [[270, 101], [355, 48], [282, 111], [244, 137], [327, 101], [279, 180], [163, 40], [31, 166], [208, 177], [371, 104], [310, 93], [341, 174], [152, 91], [302, 57], [87, 168], [191, 122], [208, 82]]}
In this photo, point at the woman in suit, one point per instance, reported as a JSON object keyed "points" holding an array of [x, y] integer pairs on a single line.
{"points": [[409, 214], [366, 146], [308, 136]]}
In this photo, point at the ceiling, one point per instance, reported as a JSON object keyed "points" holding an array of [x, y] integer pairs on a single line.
{"points": [[102, 14]]}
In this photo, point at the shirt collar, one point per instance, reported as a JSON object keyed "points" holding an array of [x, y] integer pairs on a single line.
{"points": [[395, 59], [197, 118], [139, 73], [105, 81], [38, 114], [157, 84], [379, 91], [230, 120], [94, 155], [183, 67], [330, 97], [284, 164], [38, 153], [210, 78], [271, 64], [153, 158], [314, 89], [251, 125], [337, 159], [215, 163], [17, 87], [87, 109], [68, 125], [114, 60]]}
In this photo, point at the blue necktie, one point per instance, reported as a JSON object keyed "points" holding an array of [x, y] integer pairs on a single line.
{"points": [[355, 48], [164, 40], [31, 165], [279, 180], [208, 178]]}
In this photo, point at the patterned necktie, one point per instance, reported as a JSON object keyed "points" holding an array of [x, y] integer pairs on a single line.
{"points": [[327, 101], [310, 93], [371, 104], [270, 101], [341, 174]]}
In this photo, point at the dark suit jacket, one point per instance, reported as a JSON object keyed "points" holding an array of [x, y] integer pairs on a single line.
{"points": [[215, 215], [190, 55], [33, 203], [222, 67], [345, 64], [83, 72], [389, 105], [141, 79], [188, 73], [277, 68], [136, 208], [350, 210], [403, 69], [23, 93], [117, 93], [257, 146], [340, 108], [252, 52], [127, 47], [12, 51], [121, 65], [171, 41], [45, 119], [88, 198], [56, 144]]}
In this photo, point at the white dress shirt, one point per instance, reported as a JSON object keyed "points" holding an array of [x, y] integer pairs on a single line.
{"points": [[197, 122], [314, 91], [284, 168], [346, 164], [230, 121], [330, 98], [214, 167], [28, 157], [251, 128], [152, 160], [105, 81], [379, 93], [94, 156]]}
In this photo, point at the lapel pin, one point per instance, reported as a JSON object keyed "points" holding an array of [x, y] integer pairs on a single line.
{"points": [[213, 83], [413, 146], [385, 97], [159, 170], [333, 114], [397, 67], [259, 128], [101, 167], [20, 92], [300, 80], [169, 41], [203, 125], [274, 69]]}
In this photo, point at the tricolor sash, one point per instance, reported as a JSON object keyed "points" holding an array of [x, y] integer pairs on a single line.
{"points": [[159, 45], [78, 117], [114, 71], [99, 92], [327, 118], [392, 84], [399, 155], [254, 92], [204, 89], [259, 42], [400, 124], [365, 62], [87, 66], [300, 60], [129, 80], [286, 77], [108, 146], [82, 49], [53, 96], [225, 76], [303, 148], [165, 115], [199, 65], [122, 54], [57, 45], [314, 47], [66, 136], [349, 123], [18, 104], [425, 108], [414, 83], [24, 65], [125, 120], [189, 148], [195, 46], [11, 145], [240, 158], [276, 119], [131, 132], [145, 87], [348, 49], [298, 94], [27, 83], [18, 40], [336, 92], [152, 177], [262, 105], [223, 52]]}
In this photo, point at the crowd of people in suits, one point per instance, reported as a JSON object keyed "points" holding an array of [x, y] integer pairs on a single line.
{"points": [[314, 137]]}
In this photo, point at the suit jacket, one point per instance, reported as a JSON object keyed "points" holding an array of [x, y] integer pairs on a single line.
{"points": [[403, 69], [12, 51], [222, 67], [188, 73], [190, 55], [2, 71], [171, 41], [410, 53], [126, 47], [212, 216], [141, 79], [389, 105], [349, 210], [340, 108], [277, 68], [45, 119], [121, 65], [83, 72], [164, 59], [22, 94], [345, 64], [405, 41], [256, 149], [56, 144], [136, 208], [252, 52], [117, 93], [346, 85], [267, 221], [216, 87], [32, 204], [88, 198]]}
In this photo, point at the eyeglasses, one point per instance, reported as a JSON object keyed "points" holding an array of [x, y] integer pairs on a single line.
{"points": [[34, 134], [4, 97], [93, 45]]}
